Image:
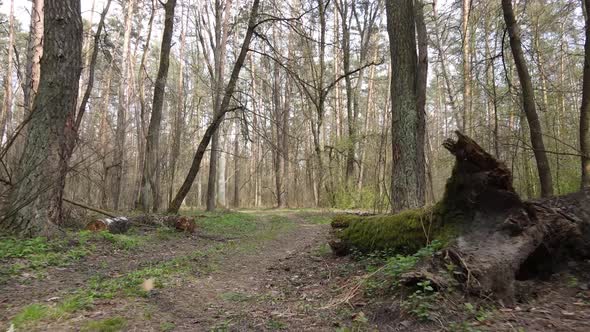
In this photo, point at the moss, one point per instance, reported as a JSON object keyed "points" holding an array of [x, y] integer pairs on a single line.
{"points": [[405, 232]]}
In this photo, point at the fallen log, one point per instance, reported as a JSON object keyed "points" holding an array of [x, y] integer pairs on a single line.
{"points": [[120, 225], [498, 239]]}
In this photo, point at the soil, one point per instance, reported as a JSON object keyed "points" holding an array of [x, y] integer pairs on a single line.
{"points": [[285, 281]]}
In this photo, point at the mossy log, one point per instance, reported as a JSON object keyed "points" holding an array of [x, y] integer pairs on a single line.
{"points": [[497, 239]]}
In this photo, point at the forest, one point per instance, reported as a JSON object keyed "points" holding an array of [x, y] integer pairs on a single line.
{"points": [[318, 165]]}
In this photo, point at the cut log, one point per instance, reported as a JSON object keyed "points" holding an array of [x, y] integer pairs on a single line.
{"points": [[117, 225], [498, 238], [120, 225]]}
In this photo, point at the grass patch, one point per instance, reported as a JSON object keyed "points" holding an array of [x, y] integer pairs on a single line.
{"points": [[122, 241], [31, 313], [129, 285], [235, 297], [167, 326], [105, 325], [228, 224], [318, 219], [18, 255]]}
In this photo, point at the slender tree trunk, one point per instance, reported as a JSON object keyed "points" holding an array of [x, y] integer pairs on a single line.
{"points": [[124, 97], [585, 109], [528, 98], [237, 165], [408, 178], [152, 151], [179, 114], [106, 92], [34, 53], [7, 105], [140, 199], [224, 108], [34, 206], [221, 35], [91, 67], [466, 53]]}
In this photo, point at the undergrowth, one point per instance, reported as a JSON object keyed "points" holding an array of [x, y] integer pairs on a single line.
{"points": [[129, 285]]}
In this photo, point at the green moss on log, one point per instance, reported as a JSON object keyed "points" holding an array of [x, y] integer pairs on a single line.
{"points": [[405, 232]]}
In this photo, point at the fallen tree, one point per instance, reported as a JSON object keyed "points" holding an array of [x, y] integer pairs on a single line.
{"points": [[493, 238]]}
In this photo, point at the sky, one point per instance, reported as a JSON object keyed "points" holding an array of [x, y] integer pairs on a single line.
{"points": [[22, 10]]}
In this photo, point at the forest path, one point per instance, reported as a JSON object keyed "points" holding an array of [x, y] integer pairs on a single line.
{"points": [[249, 288], [260, 271]]}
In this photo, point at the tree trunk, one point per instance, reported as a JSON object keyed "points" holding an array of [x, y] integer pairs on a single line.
{"points": [[34, 206], [124, 97], [6, 110], [140, 120], [466, 53], [180, 109], [528, 98], [91, 68], [408, 178], [585, 109], [152, 151], [224, 108], [34, 53]]}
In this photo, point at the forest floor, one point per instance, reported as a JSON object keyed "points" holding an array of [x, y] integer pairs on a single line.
{"points": [[246, 271]]}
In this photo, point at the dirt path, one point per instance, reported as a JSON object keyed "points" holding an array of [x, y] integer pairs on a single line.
{"points": [[245, 292], [280, 278]]}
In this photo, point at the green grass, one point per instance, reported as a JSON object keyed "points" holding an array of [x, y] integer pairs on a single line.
{"points": [[167, 326], [235, 297], [253, 230], [322, 219], [123, 241], [105, 325], [227, 224], [18, 255], [31, 313]]}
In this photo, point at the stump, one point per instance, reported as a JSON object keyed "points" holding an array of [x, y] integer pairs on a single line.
{"points": [[498, 238]]}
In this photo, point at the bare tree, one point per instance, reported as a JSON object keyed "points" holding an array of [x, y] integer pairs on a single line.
{"points": [[151, 166], [218, 117], [528, 99]]}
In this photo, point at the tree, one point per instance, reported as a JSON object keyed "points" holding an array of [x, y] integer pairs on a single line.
{"points": [[34, 206], [585, 108], [528, 100], [6, 109], [124, 96], [407, 180], [34, 53], [218, 116], [151, 166]]}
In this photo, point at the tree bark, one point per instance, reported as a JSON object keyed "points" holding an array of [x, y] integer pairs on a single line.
{"points": [[216, 121], [152, 151], [220, 42], [179, 116], [528, 98], [408, 173], [34, 206], [34, 53], [6, 110], [466, 53], [124, 97], [585, 109]]}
